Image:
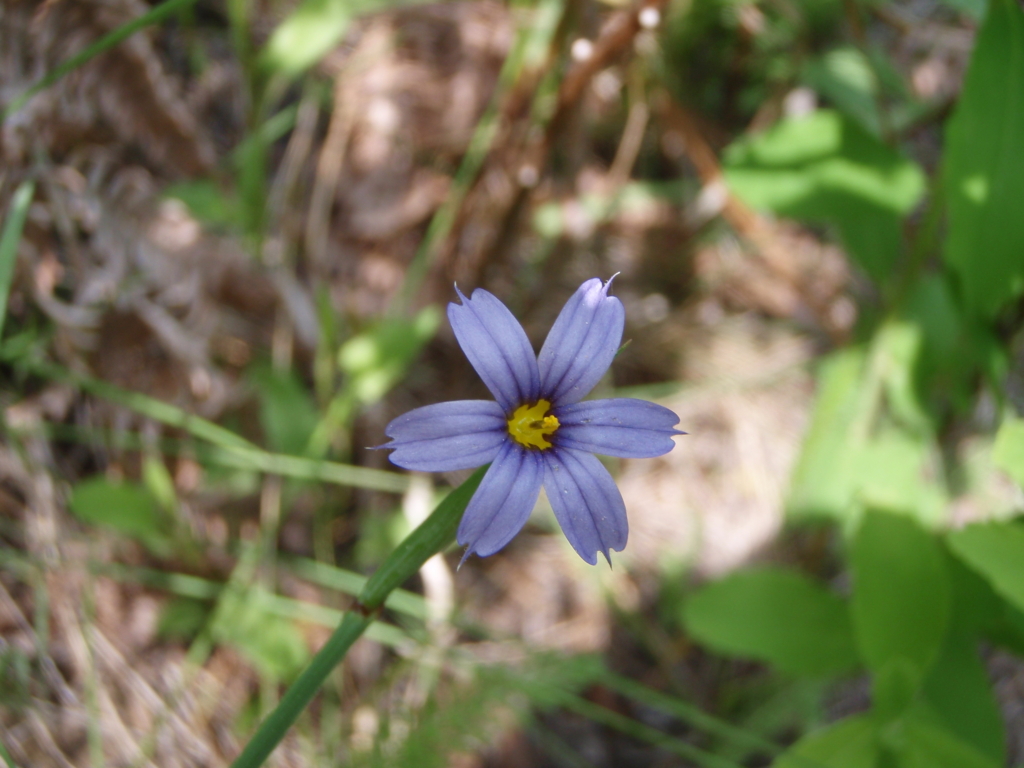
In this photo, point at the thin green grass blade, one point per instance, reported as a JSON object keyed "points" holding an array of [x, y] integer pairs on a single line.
{"points": [[248, 458], [352, 583], [688, 713], [155, 409], [14, 223], [428, 539], [300, 468], [646, 733], [105, 43]]}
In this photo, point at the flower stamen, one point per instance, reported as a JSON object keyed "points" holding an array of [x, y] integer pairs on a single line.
{"points": [[530, 427]]}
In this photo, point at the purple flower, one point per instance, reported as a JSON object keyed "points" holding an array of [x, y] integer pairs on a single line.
{"points": [[538, 431]]}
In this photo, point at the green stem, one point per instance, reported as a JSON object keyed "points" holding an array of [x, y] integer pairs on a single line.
{"points": [[434, 534]]}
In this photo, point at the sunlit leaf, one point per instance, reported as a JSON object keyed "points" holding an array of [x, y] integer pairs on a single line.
{"points": [[777, 616], [996, 551], [1008, 451], [984, 167], [823, 481], [375, 360], [825, 168]]}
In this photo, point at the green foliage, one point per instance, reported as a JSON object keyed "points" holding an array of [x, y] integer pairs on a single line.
{"points": [[375, 360], [921, 744], [857, 85], [1008, 451], [825, 168], [206, 201], [127, 508], [824, 476], [900, 605], [312, 29], [955, 348], [777, 616], [287, 411], [182, 618], [271, 643], [996, 551], [984, 168], [850, 743], [958, 692], [870, 441]]}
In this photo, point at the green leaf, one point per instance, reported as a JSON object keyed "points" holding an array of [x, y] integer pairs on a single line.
{"points": [[1008, 451], [856, 83], [777, 616], [1008, 630], [955, 347], [984, 167], [206, 201], [272, 643], [823, 480], [959, 692], [307, 35], [996, 551], [287, 411], [901, 603], [849, 743], [976, 608], [825, 168], [127, 508], [926, 745], [182, 618], [898, 471], [378, 358]]}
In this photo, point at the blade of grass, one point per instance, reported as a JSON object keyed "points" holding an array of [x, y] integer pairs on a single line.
{"points": [[351, 583], [229, 449], [105, 43], [305, 469], [428, 539], [14, 223], [687, 713], [155, 409], [641, 732], [184, 585]]}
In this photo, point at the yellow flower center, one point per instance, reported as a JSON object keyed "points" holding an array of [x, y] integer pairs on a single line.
{"points": [[530, 427]]}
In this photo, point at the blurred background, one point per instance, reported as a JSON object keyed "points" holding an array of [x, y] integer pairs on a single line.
{"points": [[229, 232]]}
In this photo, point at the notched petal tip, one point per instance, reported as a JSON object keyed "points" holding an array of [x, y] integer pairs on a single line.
{"points": [[496, 346], [582, 343], [586, 503]]}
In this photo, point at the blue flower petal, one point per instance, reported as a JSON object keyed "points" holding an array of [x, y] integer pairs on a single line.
{"points": [[621, 426], [581, 344], [461, 434], [586, 502], [497, 347], [503, 502]]}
